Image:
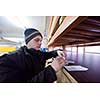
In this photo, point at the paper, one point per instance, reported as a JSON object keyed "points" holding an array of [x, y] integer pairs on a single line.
{"points": [[70, 62], [76, 68]]}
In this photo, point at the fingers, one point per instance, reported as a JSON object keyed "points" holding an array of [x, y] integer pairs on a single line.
{"points": [[60, 53], [58, 63], [61, 60]]}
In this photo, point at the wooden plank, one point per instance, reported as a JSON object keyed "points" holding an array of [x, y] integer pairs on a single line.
{"points": [[68, 23], [50, 24], [79, 36], [71, 42], [69, 77], [84, 32], [88, 27], [53, 23], [64, 77]]}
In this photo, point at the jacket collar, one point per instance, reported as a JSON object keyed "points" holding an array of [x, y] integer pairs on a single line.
{"points": [[29, 51]]}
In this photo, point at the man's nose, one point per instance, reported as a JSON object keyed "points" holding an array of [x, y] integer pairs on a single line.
{"points": [[40, 42]]}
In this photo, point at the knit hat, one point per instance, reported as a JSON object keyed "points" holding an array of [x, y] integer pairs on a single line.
{"points": [[30, 33]]}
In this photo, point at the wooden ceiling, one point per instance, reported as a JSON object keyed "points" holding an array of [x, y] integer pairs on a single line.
{"points": [[83, 30]]}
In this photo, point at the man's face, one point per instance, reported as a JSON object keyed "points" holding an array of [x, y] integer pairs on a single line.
{"points": [[35, 43]]}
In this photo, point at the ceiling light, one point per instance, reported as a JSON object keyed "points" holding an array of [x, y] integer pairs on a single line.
{"points": [[19, 21]]}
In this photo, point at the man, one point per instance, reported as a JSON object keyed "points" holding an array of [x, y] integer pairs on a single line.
{"points": [[28, 63]]}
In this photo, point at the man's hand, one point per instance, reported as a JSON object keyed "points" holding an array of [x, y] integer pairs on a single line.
{"points": [[58, 63], [60, 53]]}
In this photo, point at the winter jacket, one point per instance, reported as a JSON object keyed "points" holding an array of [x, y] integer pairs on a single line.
{"points": [[27, 65]]}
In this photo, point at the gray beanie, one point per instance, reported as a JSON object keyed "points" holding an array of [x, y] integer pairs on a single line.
{"points": [[30, 33]]}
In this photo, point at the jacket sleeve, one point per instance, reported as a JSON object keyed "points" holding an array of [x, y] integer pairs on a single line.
{"points": [[48, 55], [48, 75]]}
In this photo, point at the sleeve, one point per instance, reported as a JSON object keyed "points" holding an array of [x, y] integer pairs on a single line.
{"points": [[48, 75], [48, 55]]}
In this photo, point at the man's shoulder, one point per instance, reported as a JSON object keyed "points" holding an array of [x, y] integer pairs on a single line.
{"points": [[3, 55], [20, 50], [14, 53]]}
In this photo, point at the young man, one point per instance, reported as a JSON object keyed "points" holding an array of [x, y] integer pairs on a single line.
{"points": [[28, 63]]}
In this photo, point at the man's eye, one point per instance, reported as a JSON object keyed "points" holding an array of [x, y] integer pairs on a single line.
{"points": [[37, 40]]}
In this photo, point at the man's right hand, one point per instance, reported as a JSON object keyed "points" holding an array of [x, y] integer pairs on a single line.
{"points": [[60, 53], [58, 63]]}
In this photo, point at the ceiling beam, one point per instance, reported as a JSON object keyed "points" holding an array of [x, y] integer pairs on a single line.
{"points": [[88, 27], [69, 23], [84, 32], [92, 22], [70, 40], [64, 39]]}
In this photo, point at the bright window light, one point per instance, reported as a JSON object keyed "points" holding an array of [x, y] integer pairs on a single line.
{"points": [[80, 49], [74, 49], [68, 48], [93, 49]]}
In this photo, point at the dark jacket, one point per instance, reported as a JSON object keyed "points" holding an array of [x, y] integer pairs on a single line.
{"points": [[27, 65]]}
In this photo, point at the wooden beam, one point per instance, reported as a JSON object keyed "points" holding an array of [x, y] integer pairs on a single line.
{"points": [[88, 27], [92, 22], [50, 23], [84, 32], [80, 36], [72, 39], [53, 22], [67, 24]]}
